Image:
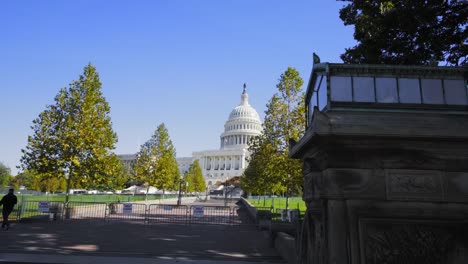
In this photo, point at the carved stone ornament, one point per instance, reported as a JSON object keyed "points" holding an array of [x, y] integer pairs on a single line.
{"points": [[414, 185], [408, 243]]}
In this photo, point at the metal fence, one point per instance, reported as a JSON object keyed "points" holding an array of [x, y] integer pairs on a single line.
{"points": [[126, 211], [217, 215], [286, 216], [151, 214], [38, 210], [85, 211], [167, 214]]}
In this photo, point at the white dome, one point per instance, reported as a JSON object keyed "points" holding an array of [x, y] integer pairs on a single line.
{"points": [[244, 111], [243, 124]]}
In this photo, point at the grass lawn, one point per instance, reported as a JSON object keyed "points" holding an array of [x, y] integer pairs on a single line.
{"points": [[278, 202], [94, 198], [28, 204]]}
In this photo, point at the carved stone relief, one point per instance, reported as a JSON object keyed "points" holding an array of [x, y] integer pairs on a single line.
{"points": [[414, 185], [390, 243]]}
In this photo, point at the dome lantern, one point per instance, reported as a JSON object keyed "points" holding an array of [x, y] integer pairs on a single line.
{"points": [[244, 96]]}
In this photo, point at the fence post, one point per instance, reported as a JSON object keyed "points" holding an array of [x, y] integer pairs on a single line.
{"points": [[20, 209], [146, 214], [106, 212]]}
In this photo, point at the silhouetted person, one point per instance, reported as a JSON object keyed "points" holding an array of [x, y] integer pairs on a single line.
{"points": [[8, 201]]}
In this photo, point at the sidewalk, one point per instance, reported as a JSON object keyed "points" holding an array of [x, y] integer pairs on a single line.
{"points": [[104, 242]]}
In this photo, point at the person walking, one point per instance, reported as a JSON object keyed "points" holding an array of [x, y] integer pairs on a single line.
{"points": [[8, 201]]}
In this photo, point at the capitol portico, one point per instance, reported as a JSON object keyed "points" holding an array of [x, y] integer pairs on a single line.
{"points": [[231, 159]]}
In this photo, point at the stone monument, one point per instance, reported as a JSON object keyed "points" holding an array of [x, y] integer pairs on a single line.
{"points": [[385, 164]]}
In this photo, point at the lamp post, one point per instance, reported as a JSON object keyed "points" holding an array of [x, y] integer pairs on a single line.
{"points": [[179, 200], [67, 174], [225, 193]]}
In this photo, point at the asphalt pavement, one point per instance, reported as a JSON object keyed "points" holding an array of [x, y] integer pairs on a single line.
{"points": [[134, 242]]}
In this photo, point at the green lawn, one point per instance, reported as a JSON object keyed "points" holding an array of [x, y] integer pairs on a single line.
{"points": [[27, 204], [95, 198], [278, 202]]}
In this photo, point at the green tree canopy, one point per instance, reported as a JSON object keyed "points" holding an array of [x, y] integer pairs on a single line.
{"points": [[29, 180], [5, 174], [194, 177], [419, 32], [270, 167], [74, 136], [156, 162], [260, 176]]}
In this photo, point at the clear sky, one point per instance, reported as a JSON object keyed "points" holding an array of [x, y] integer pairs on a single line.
{"points": [[178, 62]]}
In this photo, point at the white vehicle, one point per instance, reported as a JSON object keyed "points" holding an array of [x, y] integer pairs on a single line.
{"points": [[78, 191]]}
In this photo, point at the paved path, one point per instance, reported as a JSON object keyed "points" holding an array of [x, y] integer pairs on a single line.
{"points": [[106, 242]]}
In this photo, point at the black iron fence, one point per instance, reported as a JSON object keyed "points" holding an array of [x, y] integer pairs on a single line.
{"points": [[217, 215], [126, 211], [85, 211], [287, 216], [38, 210], [151, 214], [167, 214]]}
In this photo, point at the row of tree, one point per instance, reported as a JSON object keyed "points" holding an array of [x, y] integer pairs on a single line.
{"points": [[73, 141], [29, 180]]}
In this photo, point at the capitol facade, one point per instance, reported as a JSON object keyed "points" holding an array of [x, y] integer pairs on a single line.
{"points": [[230, 159]]}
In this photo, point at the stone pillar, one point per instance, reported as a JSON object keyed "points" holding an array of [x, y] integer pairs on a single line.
{"points": [[337, 234]]}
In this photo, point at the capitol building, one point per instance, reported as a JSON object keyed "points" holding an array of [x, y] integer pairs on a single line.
{"points": [[230, 159]]}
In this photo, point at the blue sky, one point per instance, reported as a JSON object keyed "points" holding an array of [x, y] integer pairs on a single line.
{"points": [[178, 62]]}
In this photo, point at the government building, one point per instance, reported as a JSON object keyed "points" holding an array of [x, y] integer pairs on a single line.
{"points": [[230, 159]]}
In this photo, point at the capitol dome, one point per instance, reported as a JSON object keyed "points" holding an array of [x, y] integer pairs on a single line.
{"points": [[243, 124]]}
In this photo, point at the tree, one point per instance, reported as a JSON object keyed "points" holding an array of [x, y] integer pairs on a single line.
{"points": [[418, 32], [156, 163], [260, 176], [34, 181], [121, 175], [128, 175], [26, 179], [270, 166], [194, 177], [30, 180], [5, 174], [73, 137]]}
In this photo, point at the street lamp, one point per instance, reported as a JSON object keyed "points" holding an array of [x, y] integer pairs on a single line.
{"points": [[179, 200], [67, 174], [225, 193]]}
